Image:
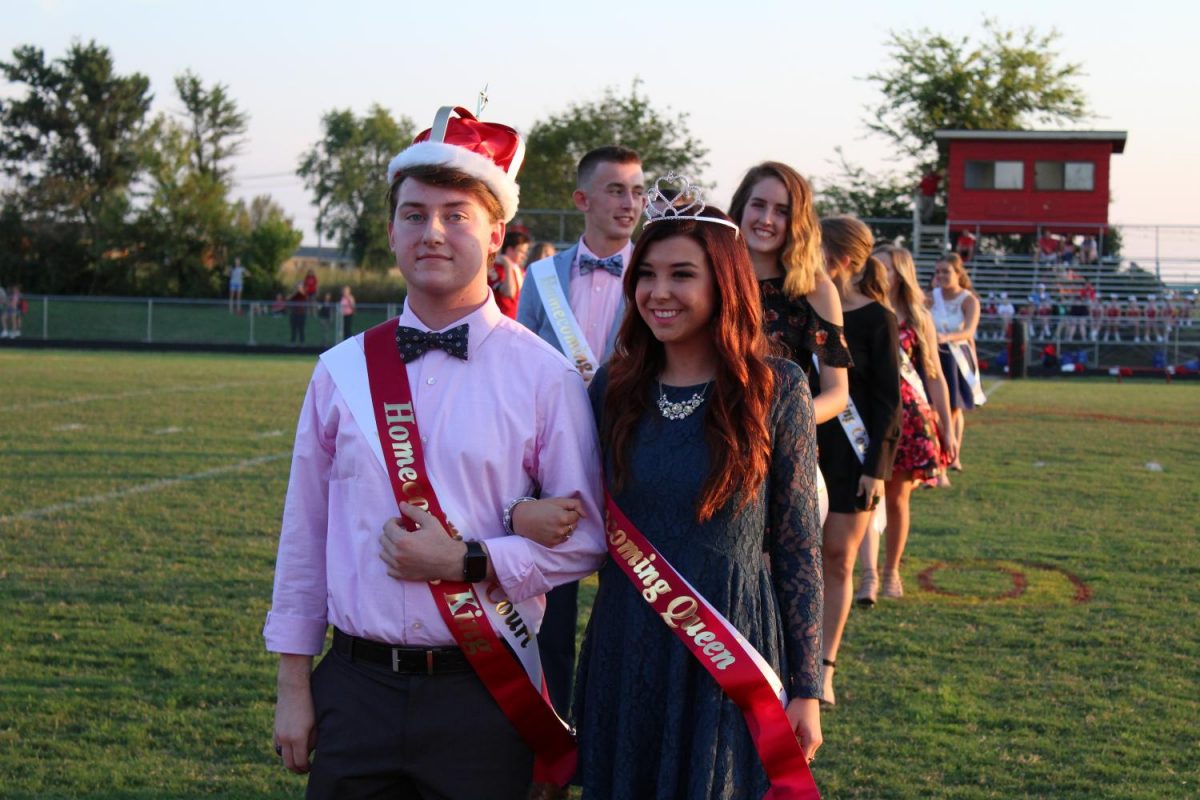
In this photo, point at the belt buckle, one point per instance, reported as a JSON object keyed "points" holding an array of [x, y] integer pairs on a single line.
{"points": [[395, 659], [428, 662]]}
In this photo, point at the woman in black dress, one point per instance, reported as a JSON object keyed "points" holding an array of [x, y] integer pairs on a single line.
{"points": [[802, 311], [856, 453]]}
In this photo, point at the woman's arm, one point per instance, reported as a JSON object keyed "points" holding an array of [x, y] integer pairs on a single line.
{"points": [[834, 381], [795, 552], [884, 416], [939, 397]]}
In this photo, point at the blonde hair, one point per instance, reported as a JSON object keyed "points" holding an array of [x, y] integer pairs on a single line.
{"points": [[846, 237], [801, 254], [911, 300]]}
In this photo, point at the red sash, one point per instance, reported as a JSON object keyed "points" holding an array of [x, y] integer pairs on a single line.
{"points": [[720, 649], [459, 603]]}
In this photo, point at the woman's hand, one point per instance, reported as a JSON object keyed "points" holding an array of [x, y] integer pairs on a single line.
{"points": [[871, 490], [949, 445], [548, 522], [804, 715]]}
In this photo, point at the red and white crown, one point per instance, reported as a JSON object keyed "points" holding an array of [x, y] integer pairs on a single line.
{"points": [[485, 150]]}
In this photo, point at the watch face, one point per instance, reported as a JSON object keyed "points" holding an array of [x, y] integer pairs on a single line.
{"points": [[474, 563]]}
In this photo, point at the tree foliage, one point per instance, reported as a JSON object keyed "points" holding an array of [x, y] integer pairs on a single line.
{"points": [[72, 147], [267, 238], [555, 145], [1007, 80], [346, 172]]}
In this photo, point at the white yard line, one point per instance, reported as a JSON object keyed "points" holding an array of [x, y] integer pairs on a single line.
{"points": [[92, 398], [991, 389], [143, 488]]}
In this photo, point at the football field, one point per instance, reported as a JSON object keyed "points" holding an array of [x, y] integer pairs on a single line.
{"points": [[1048, 645]]}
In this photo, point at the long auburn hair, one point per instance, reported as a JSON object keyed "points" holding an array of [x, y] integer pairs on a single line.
{"points": [[911, 300], [735, 416], [801, 254]]}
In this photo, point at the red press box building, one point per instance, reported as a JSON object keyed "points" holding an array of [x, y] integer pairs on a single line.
{"points": [[1029, 181]]}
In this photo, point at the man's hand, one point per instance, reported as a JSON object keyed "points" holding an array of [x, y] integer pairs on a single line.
{"points": [[295, 720], [424, 554]]}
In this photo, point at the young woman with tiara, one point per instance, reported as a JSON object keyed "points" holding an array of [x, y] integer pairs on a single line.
{"points": [[857, 448], [926, 444], [955, 311], [707, 443]]}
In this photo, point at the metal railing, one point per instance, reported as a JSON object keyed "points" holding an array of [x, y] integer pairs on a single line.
{"points": [[1098, 342], [171, 321]]}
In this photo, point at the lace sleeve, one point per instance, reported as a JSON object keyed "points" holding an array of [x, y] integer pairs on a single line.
{"points": [[795, 541]]}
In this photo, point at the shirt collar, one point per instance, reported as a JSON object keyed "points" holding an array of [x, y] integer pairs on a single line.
{"points": [[482, 322]]}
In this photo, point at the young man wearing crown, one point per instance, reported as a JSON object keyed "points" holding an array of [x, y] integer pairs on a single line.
{"points": [[432, 685], [574, 301]]}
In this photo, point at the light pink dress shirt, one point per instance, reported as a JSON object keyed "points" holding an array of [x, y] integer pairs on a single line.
{"points": [[594, 298], [513, 417]]}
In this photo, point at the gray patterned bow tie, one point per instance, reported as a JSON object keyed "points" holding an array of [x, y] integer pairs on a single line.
{"points": [[415, 343], [614, 264]]}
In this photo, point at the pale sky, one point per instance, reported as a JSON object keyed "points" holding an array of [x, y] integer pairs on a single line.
{"points": [[779, 80]]}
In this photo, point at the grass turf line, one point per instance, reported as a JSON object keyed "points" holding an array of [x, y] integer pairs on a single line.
{"points": [[131, 662]]}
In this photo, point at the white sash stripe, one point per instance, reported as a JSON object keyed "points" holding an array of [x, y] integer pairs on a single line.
{"points": [[570, 336]]}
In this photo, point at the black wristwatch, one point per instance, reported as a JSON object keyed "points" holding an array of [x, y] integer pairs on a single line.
{"points": [[475, 563]]}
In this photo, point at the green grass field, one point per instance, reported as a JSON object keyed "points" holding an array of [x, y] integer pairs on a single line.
{"points": [[1048, 645]]}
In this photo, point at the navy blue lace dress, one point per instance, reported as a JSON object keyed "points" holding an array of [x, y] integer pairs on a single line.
{"points": [[652, 722]]}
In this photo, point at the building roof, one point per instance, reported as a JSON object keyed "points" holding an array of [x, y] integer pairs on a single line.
{"points": [[1116, 137]]}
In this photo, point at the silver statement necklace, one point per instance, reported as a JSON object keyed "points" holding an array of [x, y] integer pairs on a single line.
{"points": [[677, 411]]}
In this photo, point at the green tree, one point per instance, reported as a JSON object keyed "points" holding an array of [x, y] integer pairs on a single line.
{"points": [[346, 171], [215, 125], [268, 238], [555, 145], [187, 230], [1008, 80], [72, 147]]}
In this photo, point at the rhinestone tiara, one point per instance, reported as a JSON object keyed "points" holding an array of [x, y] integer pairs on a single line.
{"points": [[664, 202]]}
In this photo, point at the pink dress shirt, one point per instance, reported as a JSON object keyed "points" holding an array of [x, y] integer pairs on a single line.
{"points": [[511, 418], [595, 297]]}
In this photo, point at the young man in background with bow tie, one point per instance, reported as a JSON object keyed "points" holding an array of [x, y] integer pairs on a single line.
{"points": [[611, 193], [403, 704]]}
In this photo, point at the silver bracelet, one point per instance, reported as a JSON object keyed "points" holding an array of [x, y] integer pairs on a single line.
{"points": [[508, 512]]}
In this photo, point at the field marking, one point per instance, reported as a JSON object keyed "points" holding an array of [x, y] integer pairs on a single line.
{"points": [[92, 398], [992, 389], [143, 488]]}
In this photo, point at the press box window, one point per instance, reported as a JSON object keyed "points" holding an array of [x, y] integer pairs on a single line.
{"points": [[1007, 175], [1070, 176]]}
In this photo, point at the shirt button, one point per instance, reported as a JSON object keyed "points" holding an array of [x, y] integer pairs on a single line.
{"points": [[430, 381], [597, 289], [416, 626], [424, 440]]}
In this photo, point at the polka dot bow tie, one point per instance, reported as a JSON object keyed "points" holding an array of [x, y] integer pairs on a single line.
{"points": [[413, 343], [613, 264]]}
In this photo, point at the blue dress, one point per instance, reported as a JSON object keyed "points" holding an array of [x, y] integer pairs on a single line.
{"points": [[652, 722]]}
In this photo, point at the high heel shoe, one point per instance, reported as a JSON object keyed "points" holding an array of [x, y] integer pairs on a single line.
{"points": [[827, 696], [868, 585]]}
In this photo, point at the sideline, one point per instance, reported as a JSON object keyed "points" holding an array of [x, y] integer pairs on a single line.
{"points": [[92, 398], [152, 486]]}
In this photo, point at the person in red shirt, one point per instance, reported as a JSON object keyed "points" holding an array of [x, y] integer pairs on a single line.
{"points": [[927, 193], [966, 246], [507, 274]]}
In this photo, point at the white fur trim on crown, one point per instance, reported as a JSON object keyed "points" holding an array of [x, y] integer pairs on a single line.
{"points": [[460, 158]]}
